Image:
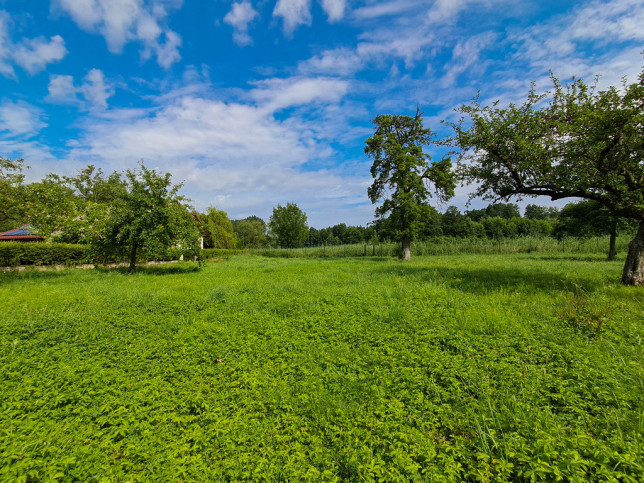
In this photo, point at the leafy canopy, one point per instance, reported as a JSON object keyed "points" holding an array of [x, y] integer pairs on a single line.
{"points": [[148, 215], [574, 141], [288, 224], [403, 173]]}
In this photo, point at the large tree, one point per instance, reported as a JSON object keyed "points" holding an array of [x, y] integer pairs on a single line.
{"points": [[573, 142], [403, 174], [148, 215], [288, 225]]}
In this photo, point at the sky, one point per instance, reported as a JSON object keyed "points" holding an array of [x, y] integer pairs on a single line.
{"points": [[256, 103]]}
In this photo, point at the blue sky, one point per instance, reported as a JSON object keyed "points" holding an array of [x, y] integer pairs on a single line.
{"points": [[257, 102]]}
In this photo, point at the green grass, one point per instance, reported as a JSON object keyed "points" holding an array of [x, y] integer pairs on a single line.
{"points": [[466, 367]]}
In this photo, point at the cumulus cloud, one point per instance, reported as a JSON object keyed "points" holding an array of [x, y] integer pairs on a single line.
{"points": [[92, 94], [294, 13], [122, 21], [32, 55], [241, 14], [236, 156], [20, 119]]}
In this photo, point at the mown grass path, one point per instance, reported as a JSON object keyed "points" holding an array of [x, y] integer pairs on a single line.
{"points": [[506, 367]]}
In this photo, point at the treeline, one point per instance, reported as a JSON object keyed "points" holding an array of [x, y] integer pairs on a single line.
{"points": [[94, 208], [287, 227]]}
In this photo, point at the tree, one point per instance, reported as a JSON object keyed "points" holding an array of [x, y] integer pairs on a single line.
{"points": [[251, 232], [536, 212], [149, 215], [588, 218], [503, 210], [12, 194], [288, 225], [573, 142], [402, 174], [217, 229]]}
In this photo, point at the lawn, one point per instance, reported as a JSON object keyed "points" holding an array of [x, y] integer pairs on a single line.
{"points": [[465, 367]]}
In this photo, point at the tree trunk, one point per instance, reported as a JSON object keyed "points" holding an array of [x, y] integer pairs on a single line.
{"points": [[612, 251], [133, 259], [633, 273], [406, 249]]}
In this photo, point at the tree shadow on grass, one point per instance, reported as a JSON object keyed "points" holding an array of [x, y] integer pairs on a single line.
{"points": [[156, 270], [481, 281]]}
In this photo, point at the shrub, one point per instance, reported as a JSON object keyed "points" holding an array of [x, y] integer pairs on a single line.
{"points": [[19, 253]]}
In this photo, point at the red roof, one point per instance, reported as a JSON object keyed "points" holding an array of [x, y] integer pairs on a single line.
{"points": [[23, 233]]}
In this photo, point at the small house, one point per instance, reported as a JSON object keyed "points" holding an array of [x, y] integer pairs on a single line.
{"points": [[25, 233]]}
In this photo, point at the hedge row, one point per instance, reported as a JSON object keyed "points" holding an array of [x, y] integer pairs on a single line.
{"points": [[13, 254], [19, 253]]}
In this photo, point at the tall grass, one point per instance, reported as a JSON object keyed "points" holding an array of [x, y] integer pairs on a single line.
{"points": [[453, 246]]}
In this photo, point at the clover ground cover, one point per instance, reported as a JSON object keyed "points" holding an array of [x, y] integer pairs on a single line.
{"points": [[507, 367]]}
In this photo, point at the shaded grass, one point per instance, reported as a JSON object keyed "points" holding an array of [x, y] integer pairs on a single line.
{"points": [[451, 368]]}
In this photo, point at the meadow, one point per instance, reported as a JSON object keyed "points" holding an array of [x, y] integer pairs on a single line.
{"points": [[465, 367]]}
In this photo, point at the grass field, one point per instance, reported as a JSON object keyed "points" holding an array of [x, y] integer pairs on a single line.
{"points": [[521, 367]]}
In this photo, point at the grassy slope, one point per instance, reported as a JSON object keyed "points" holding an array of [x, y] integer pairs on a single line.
{"points": [[460, 367]]}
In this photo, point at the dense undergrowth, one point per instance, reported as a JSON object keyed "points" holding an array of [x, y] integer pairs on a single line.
{"points": [[524, 367]]}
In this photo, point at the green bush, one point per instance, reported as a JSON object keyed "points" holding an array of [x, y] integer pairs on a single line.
{"points": [[13, 254], [19, 253]]}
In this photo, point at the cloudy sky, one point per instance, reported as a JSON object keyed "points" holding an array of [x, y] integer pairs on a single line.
{"points": [[252, 103]]}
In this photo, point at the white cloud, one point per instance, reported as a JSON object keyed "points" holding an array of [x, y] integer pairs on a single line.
{"points": [[387, 9], [447, 10], [20, 119], [277, 94], [294, 13], [334, 9], [32, 55], [561, 43], [240, 15], [122, 21], [465, 55], [94, 89], [342, 61]]}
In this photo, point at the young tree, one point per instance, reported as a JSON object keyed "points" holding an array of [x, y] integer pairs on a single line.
{"points": [[288, 225], [402, 174], [149, 215], [575, 142]]}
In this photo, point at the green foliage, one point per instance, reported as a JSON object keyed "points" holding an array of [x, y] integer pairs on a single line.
{"points": [[251, 232], [150, 216], [288, 225], [454, 368], [217, 229], [588, 218], [20, 253], [573, 142], [536, 212], [12, 197], [402, 173]]}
